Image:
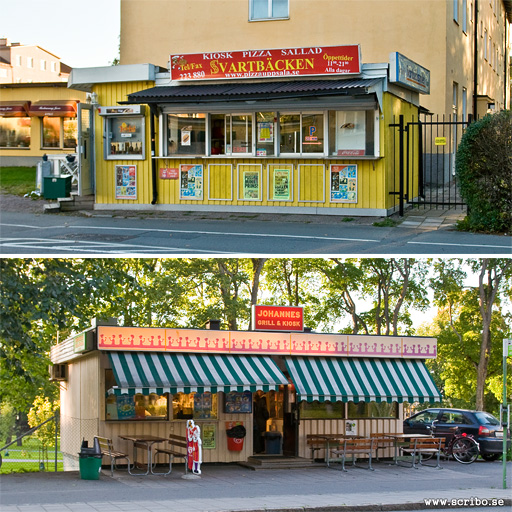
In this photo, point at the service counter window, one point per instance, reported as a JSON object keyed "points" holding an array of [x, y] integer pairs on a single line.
{"points": [[186, 134], [137, 407], [372, 410], [265, 133], [59, 132], [198, 406], [15, 132], [352, 133], [231, 134], [301, 133], [322, 410], [124, 132]]}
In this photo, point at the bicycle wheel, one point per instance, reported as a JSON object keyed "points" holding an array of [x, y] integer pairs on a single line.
{"points": [[465, 450]]}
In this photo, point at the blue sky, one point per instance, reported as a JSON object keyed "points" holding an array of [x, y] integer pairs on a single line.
{"points": [[81, 33]]}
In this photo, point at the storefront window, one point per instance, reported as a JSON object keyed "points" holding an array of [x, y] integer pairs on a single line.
{"points": [[352, 133], [372, 410], [265, 136], [59, 132], [125, 137], [14, 132], [194, 405], [301, 133], [231, 134], [137, 407], [322, 410], [186, 134]]}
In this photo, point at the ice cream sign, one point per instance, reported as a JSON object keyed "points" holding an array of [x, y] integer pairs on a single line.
{"points": [[283, 62]]}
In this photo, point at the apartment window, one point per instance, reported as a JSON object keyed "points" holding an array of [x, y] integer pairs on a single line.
{"points": [[464, 103], [43, 65], [30, 62], [455, 100], [465, 16], [18, 60], [456, 11], [268, 9], [485, 44], [54, 67]]}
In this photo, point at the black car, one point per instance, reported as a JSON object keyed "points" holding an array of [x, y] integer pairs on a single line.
{"points": [[484, 427]]}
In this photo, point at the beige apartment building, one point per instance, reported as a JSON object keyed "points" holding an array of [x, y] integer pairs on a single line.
{"points": [[21, 63], [464, 43]]}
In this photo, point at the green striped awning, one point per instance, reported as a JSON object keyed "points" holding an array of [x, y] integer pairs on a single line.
{"points": [[162, 372], [354, 380]]}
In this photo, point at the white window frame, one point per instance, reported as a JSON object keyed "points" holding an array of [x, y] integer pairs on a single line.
{"points": [[30, 62], [269, 12], [300, 153]]}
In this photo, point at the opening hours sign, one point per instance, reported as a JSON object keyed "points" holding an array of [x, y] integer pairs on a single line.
{"points": [[284, 62]]}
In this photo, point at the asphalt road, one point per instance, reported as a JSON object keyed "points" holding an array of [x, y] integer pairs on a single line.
{"points": [[28, 234]]}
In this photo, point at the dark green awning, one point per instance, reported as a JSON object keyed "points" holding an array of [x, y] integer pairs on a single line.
{"points": [[162, 372], [354, 380]]}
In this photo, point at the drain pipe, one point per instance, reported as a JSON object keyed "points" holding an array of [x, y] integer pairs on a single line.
{"points": [[475, 64], [154, 171]]}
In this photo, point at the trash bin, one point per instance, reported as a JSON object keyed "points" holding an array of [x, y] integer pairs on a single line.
{"points": [[55, 187], [273, 442], [90, 461], [236, 436]]}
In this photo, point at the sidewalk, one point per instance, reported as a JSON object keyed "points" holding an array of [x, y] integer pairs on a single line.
{"points": [[232, 488]]}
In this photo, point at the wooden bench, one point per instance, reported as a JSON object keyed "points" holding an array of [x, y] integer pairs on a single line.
{"points": [[315, 444], [423, 446], [176, 442], [107, 450], [353, 447], [382, 442], [356, 446]]}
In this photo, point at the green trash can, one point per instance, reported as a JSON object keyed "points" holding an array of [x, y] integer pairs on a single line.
{"points": [[55, 187], [90, 467]]}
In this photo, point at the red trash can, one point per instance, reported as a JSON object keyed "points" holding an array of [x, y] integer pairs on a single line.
{"points": [[236, 436]]}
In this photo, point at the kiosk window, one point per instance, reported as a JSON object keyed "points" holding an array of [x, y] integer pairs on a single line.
{"points": [[301, 133], [186, 134], [14, 132], [372, 410], [231, 134], [194, 405], [124, 137], [352, 133], [322, 410], [137, 407]]}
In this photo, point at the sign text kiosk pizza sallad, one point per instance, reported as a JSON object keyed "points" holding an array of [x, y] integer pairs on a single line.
{"points": [[327, 60]]}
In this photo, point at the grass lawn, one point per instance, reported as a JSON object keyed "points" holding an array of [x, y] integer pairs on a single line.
{"points": [[17, 180]]}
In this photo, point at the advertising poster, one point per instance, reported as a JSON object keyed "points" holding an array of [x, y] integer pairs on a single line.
{"points": [[251, 185], [126, 181], [209, 437], [344, 183], [125, 407], [191, 183], [281, 184], [202, 405], [265, 132], [238, 402]]}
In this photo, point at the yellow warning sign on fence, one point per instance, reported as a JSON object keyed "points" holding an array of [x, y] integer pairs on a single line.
{"points": [[440, 141]]}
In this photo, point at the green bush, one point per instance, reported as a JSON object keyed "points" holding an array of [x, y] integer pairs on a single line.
{"points": [[484, 170]]}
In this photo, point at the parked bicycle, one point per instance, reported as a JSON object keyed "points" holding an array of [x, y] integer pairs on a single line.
{"points": [[463, 447]]}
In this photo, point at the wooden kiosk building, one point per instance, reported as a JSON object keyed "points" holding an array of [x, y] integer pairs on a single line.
{"points": [[126, 380]]}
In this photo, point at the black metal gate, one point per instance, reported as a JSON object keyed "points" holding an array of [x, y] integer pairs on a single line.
{"points": [[424, 171]]}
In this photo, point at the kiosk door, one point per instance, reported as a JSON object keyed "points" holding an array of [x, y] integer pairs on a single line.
{"points": [[290, 423], [85, 150]]}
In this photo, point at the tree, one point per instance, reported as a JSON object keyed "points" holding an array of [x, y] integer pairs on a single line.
{"points": [[484, 167], [471, 318]]}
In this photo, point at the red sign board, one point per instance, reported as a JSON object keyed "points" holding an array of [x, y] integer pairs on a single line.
{"points": [[169, 173], [277, 318], [284, 62]]}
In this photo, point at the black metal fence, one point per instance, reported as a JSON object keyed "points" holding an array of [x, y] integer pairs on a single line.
{"points": [[425, 151]]}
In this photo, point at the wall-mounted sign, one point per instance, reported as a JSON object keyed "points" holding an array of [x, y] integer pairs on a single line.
{"points": [[83, 342], [127, 110], [157, 339], [408, 74], [281, 184], [440, 141], [284, 62], [126, 181], [209, 436], [251, 185], [169, 173], [277, 318]]}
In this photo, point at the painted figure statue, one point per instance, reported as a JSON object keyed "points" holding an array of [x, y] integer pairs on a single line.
{"points": [[194, 448]]}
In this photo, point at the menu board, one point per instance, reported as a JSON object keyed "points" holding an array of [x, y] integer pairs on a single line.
{"points": [[238, 402]]}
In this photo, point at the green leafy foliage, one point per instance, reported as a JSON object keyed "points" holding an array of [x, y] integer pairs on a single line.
{"points": [[484, 170]]}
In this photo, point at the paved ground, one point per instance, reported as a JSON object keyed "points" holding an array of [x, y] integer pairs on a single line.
{"points": [[417, 219], [233, 488]]}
